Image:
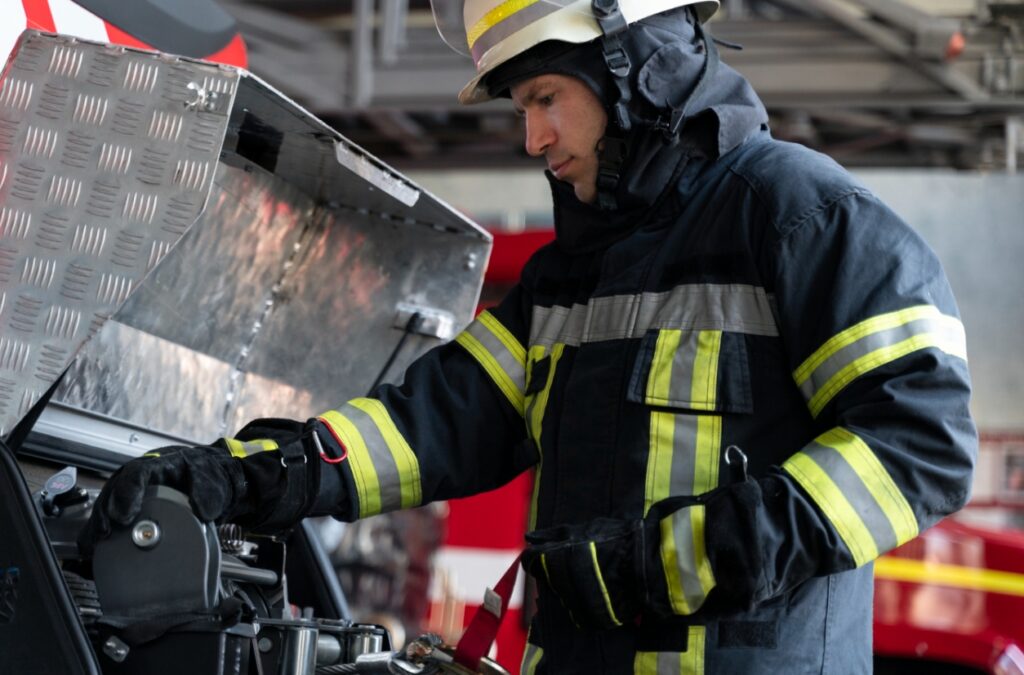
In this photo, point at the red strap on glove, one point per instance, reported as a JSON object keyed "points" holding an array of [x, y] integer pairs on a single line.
{"points": [[483, 627]]}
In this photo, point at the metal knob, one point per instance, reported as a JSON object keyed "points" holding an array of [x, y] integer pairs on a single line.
{"points": [[146, 534]]}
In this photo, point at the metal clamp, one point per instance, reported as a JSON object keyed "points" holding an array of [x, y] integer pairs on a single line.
{"points": [[736, 460]]}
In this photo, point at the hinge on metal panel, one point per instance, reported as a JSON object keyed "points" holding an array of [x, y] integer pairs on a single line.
{"points": [[433, 322], [203, 99]]}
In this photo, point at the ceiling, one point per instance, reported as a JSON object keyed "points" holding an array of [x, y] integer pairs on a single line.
{"points": [[893, 83]]}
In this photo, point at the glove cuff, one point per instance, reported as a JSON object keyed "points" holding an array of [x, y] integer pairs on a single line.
{"points": [[677, 573], [284, 481]]}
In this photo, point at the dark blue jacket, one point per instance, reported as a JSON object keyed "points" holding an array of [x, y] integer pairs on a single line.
{"points": [[773, 304]]}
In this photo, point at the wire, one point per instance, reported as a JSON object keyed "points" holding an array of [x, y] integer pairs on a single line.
{"points": [[410, 328]]}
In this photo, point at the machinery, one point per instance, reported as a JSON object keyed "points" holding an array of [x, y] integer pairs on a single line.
{"points": [[183, 249]]}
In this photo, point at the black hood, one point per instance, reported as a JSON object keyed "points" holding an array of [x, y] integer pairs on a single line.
{"points": [[668, 56]]}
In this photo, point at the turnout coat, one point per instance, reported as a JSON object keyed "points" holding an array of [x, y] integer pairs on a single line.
{"points": [[771, 303]]}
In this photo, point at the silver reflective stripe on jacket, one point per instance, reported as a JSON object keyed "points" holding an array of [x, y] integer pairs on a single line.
{"points": [[736, 308]]}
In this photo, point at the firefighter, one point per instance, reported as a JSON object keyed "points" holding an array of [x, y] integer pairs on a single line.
{"points": [[739, 375]]}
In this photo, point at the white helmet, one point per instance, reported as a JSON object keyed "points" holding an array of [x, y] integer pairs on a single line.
{"points": [[494, 31]]}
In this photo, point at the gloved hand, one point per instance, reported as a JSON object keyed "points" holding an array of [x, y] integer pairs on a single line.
{"points": [[607, 572], [265, 478]]}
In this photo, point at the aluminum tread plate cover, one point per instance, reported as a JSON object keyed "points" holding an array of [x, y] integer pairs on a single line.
{"points": [[202, 251], [107, 157]]}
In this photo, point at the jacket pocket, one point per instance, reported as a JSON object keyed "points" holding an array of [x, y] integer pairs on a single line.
{"points": [[693, 370], [688, 379]]}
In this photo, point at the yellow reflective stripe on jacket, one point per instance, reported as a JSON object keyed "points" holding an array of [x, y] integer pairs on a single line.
{"points": [[684, 369], [684, 559], [531, 658], [855, 492], [500, 355], [704, 390], [601, 584], [873, 343], [690, 662], [384, 467], [534, 414], [659, 381], [683, 456], [243, 449]]}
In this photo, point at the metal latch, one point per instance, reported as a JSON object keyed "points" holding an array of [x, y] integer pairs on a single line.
{"points": [[431, 321]]}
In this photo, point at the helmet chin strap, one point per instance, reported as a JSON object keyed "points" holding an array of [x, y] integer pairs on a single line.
{"points": [[613, 148]]}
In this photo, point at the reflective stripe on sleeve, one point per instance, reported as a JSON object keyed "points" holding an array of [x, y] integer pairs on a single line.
{"points": [[384, 467], [243, 449], [500, 355], [531, 658], [690, 662], [855, 492], [723, 307], [684, 559], [874, 343]]}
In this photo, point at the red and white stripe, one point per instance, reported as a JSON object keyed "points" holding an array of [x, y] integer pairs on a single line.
{"points": [[484, 534], [68, 18]]}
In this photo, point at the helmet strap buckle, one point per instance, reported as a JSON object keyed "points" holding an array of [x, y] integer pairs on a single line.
{"points": [[670, 124], [610, 158], [608, 16], [614, 146]]}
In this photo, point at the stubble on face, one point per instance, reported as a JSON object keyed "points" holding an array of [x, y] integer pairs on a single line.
{"points": [[565, 122]]}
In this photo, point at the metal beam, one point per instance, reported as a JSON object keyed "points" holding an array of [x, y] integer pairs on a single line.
{"points": [[892, 45], [404, 130], [362, 53]]}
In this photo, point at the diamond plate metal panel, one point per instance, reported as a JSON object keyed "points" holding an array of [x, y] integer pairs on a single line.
{"points": [[105, 161], [221, 253]]}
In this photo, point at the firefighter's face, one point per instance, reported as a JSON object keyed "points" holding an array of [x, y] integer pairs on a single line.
{"points": [[565, 121]]}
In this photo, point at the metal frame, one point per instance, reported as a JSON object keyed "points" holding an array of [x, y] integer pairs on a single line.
{"points": [[377, 70]]}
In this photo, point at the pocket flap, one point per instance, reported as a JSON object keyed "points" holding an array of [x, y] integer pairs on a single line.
{"points": [[699, 370]]}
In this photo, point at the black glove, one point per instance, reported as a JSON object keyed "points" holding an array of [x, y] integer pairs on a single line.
{"points": [[266, 478], [607, 572], [591, 568]]}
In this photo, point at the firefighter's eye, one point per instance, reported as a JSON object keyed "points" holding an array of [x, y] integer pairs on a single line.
{"points": [[546, 100]]}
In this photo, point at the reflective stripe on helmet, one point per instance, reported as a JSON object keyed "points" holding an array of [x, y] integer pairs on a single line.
{"points": [[505, 19], [499, 30]]}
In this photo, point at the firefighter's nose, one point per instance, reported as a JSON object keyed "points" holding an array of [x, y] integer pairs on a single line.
{"points": [[540, 134]]}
